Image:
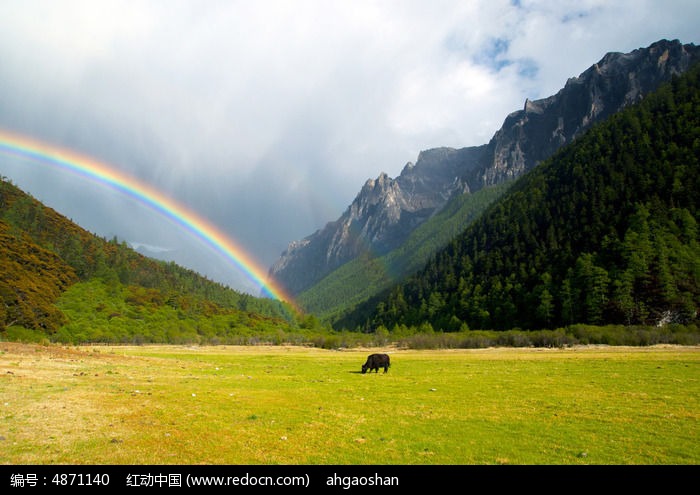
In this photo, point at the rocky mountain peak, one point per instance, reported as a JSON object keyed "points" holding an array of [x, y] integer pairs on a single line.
{"points": [[387, 210], [617, 80]]}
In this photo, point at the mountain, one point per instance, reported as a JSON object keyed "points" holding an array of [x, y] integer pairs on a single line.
{"points": [[380, 218], [65, 283], [603, 232], [387, 211], [366, 275]]}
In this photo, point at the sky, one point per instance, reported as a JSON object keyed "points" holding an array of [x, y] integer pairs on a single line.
{"points": [[267, 117]]}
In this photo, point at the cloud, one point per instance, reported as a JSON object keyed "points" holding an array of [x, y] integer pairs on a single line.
{"points": [[267, 117], [149, 248]]}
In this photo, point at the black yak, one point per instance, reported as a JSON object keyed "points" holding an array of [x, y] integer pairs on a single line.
{"points": [[376, 361]]}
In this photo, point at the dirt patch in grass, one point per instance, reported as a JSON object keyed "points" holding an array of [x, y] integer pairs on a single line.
{"points": [[53, 396]]}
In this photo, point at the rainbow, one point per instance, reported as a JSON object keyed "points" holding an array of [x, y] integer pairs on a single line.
{"points": [[100, 172]]}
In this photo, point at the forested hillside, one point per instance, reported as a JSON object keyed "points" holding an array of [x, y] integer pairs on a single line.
{"points": [[604, 232], [358, 280], [345, 262], [55, 275]]}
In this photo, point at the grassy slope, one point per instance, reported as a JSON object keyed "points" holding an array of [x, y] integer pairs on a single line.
{"points": [[31, 280]]}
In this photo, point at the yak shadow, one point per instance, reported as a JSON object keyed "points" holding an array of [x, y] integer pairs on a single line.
{"points": [[368, 373]]}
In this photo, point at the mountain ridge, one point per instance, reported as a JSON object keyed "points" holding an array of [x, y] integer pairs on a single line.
{"points": [[44, 257], [604, 232], [386, 210]]}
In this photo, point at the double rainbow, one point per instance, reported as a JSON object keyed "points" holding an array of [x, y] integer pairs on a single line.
{"points": [[100, 172]]}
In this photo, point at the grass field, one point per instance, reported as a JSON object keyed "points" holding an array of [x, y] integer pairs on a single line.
{"points": [[297, 405]]}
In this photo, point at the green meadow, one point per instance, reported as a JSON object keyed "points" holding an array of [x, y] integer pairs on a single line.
{"points": [[299, 405]]}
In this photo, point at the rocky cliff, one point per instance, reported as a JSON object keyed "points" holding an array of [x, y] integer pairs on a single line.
{"points": [[532, 134]]}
